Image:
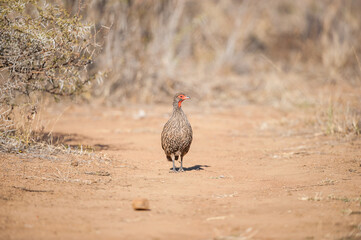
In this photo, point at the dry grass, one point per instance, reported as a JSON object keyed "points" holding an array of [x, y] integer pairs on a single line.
{"points": [[26, 137], [282, 53], [293, 55]]}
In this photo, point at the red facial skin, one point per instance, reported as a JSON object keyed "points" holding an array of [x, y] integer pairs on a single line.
{"points": [[182, 97]]}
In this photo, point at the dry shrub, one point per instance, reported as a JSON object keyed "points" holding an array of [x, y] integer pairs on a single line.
{"points": [[43, 50]]}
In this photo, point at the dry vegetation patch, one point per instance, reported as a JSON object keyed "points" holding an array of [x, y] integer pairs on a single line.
{"points": [[284, 54], [43, 52], [295, 56]]}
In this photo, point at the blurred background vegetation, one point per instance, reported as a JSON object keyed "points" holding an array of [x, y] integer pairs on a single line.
{"points": [[266, 52], [302, 55], [280, 53]]}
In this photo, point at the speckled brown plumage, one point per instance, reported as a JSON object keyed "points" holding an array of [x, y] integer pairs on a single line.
{"points": [[177, 133]]}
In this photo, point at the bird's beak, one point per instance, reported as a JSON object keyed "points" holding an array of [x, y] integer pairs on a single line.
{"points": [[187, 97]]}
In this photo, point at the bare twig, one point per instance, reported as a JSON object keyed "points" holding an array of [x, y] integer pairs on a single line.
{"points": [[32, 190]]}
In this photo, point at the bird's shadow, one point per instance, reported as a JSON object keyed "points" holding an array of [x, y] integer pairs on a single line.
{"points": [[193, 168]]}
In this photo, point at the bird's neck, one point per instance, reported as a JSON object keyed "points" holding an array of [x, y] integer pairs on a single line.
{"points": [[177, 108], [177, 104]]}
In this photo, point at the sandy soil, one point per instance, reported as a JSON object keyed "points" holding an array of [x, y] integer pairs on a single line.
{"points": [[251, 173]]}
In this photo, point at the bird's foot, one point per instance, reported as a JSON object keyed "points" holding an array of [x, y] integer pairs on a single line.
{"points": [[181, 170], [172, 171]]}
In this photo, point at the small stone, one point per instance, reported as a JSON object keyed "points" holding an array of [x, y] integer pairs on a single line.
{"points": [[140, 204], [74, 163]]}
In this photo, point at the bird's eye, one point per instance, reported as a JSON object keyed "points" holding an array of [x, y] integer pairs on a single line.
{"points": [[180, 96]]}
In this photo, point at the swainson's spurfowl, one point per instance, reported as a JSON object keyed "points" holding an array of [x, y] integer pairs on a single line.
{"points": [[177, 133]]}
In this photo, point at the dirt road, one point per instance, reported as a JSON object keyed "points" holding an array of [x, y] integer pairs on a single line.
{"points": [[251, 173]]}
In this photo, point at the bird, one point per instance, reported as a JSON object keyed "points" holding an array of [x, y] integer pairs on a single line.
{"points": [[177, 134]]}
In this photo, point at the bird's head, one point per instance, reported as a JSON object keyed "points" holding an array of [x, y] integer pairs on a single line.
{"points": [[179, 98]]}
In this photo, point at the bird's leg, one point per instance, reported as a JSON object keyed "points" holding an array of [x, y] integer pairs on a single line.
{"points": [[173, 159], [181, 167]]}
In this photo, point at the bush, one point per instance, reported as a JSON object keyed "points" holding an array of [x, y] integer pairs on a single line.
{"points": [[42, 50]]}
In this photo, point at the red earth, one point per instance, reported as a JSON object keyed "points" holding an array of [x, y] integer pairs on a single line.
{"points": [[252, 173]]}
